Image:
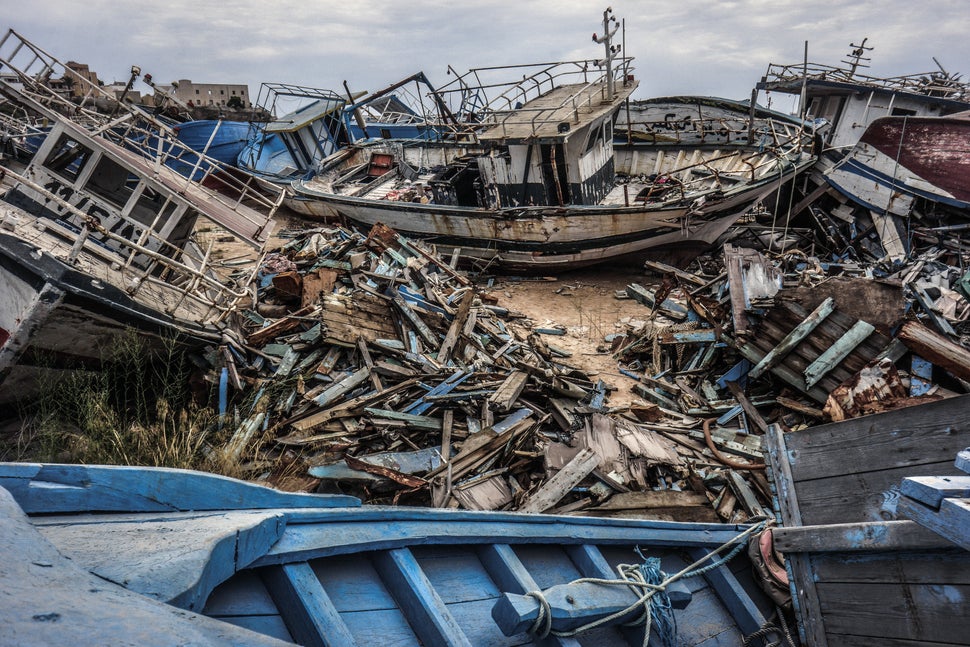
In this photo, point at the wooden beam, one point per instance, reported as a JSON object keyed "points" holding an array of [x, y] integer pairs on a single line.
{"points": [[553, 490], [864, 536], [837, 352], [936, 348], [424, 609], [305, 606], [792, 339]]}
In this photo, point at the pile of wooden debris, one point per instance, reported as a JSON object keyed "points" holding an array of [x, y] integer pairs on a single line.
{"points": [[374, 367]]}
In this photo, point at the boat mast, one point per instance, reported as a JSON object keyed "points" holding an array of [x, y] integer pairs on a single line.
{"points": [[611, 52]]}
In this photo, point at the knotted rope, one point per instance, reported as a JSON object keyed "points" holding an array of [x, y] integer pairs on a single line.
{"points": [[647, 582]]}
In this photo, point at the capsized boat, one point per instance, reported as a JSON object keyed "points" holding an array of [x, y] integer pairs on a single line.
{"points": [[96, 232], [902, 158], [95, 554], [537, 182]]}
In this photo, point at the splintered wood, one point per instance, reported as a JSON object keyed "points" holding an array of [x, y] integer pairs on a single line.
{"points": [[390, 351]]}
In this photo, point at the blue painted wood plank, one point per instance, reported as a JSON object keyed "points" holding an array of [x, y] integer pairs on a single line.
{"points": [[457, 576], [511, 576], [51, 488], [738, 602], [244, 594], [379, 528], [931, 490], [353, 583], [422, 606], [49, 600], [305, 606], [178, 558], [571, 606]]}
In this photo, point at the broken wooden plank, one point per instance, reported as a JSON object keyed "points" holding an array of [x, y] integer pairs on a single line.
{"points": [[936, 348], [456, 327], [503, 399], [837, 352], [278, 327], [792, 339], [553, 490]]}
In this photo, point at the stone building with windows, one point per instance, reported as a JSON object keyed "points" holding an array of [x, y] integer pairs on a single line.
{"points": [[218, 95]]}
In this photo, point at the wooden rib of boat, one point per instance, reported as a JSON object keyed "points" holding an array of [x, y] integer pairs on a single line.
{"points": [[861, 573], [540, 184], [899, 159], [94, 552], [96, 233]]}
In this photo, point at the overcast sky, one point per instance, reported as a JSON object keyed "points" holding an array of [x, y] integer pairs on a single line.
{"points": [[704, 47]]}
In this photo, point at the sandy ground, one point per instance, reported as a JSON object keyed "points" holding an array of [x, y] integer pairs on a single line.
{"points": [[585, 303]]}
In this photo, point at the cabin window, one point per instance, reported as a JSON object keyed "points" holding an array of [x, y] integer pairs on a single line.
{"points": [[68, 157], [903, 112], [110, 181], [595, 137]]}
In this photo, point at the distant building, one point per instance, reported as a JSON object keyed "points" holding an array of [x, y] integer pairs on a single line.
{"points": [[210, 94], [118, 89], [70, 82]]}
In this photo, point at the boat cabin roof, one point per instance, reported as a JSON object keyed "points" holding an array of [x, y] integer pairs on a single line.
{"points": [[556, 114], [305, 116]]}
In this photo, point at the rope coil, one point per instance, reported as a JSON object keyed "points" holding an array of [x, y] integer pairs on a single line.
{"points": [[647, 582]]}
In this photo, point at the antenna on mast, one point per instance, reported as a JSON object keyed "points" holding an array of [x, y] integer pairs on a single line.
{"points": [[611, 50]]}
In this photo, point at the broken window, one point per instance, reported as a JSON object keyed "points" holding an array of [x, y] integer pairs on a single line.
{"points": [[68, 157]]}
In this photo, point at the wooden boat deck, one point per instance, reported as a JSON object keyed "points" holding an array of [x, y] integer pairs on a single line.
{"points": [[186, 302], [542, 117], [321, 569]]}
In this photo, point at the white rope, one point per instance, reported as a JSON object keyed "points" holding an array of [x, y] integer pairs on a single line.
{"points": [[632, 577]]}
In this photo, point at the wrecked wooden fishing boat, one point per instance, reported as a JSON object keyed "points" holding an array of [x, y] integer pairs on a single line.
{"points": [[100, 553], [539, 183], [96, 235], [900, 159], [861, 572], [849, 100]]}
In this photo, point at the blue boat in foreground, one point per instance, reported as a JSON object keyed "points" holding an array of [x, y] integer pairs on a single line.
{"points": [[112, 555]]}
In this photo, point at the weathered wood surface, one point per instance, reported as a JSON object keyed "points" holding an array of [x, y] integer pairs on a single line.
{"points": [[936, 348], [837, 485], [360, 575], [178, 557], [51, 488], [50, 600], [940, 503]]}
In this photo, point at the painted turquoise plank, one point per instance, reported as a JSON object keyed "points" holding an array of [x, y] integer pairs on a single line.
{"points": [[426, 612], [739, 604], [341, 534], [51, 488], [178, 558], [305, 606], [49, 600]]}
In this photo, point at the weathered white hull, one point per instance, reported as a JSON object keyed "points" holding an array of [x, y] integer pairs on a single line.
{"points": [[54, 316], [546, 238]]}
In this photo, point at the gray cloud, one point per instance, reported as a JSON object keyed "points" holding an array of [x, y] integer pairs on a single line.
{"points": [[681, 46]]}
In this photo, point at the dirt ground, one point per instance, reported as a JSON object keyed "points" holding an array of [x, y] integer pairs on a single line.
{"points": [[584, 302]]}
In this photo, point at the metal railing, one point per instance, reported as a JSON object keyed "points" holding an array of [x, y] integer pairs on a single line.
{"points": [[934, 84]]}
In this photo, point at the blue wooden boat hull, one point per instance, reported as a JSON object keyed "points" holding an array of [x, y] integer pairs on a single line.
{"points": [[324, 570]]}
